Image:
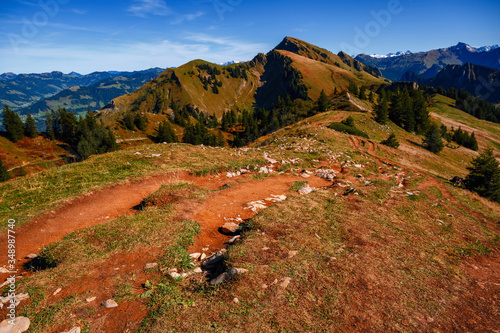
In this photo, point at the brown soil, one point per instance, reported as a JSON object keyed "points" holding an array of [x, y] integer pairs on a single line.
{"points": [[113, 202]]}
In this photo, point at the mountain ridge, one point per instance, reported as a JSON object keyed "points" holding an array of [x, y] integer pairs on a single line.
{"points": [[429, 63]]}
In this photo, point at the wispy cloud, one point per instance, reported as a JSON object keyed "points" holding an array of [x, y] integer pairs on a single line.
{"points": [[143, 8], [188, 17], [79, 11]]}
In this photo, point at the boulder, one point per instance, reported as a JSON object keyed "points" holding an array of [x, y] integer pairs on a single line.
{"points": [[214, 259], [230, 228], [21, 324]]}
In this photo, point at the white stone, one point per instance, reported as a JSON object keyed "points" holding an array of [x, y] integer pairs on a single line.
{"points": [[21, 324], [150, 265], [108, 304], [91, 299], [285, 282], [230, 228], [57, 291], [31, 256]]}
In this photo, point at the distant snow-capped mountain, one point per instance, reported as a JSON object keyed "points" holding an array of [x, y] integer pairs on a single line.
{"points": [[390, 55], [487, 48], [229, 62]]}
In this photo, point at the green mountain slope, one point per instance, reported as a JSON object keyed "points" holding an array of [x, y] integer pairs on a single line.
{"points": [[293, 68]]}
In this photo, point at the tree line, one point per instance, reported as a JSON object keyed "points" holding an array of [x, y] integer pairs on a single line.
{"points": [[15, 129]]}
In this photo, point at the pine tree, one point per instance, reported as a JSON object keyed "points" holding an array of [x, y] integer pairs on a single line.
{"points": [[353, 89], [322, 102], [484, 176], [30, 129], [371, 97], [13, 125], [391, 141], [128, 121], [362, 93], [4, 174], [422, 118], [382, 112], [140, 121], [165, 133], [433, 139]]}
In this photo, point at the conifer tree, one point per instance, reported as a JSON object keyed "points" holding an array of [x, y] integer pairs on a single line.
{"points": [[4, 174], [140, 121], [128, 121], [165, 133], [30, 129], [371, 97], [322, 102], [484, 175], [13, 125], [362, 93], [433, 139], [382, 111], [391, 141]]}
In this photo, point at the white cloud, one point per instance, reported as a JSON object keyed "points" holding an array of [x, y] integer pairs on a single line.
{"points": [[38, 57], [188, 17], [142, 8], [79, 11]]}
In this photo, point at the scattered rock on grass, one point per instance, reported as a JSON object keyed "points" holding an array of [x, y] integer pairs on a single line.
{"points": [[233, 240], [90, 299], [214, 259], [150, 265], [57, 291], [285, 282], [31, 256], [108, 304], [21, 324], [226, 276], [306, 190]]}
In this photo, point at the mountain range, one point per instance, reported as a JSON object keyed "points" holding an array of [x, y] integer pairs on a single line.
{"points": [[18, 91], [95, 96], [428, 64], [480, 81]]}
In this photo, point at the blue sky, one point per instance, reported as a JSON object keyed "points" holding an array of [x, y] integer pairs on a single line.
{"points": [[89, 35]]}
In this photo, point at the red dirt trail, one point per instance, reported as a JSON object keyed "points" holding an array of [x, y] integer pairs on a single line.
{"points": [[89, 210]]}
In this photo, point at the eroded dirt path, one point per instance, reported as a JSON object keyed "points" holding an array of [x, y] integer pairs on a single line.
{"points": [[229, 204], [90, 210]]}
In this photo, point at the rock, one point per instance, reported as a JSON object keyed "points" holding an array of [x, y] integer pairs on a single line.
{"points": [[202, 257], [266, 248], [4, 270], [306, 190], [74, 330], [233, 240], [175, 275], [255, 206], [235, 300], [305, 175], [285, 282], [21, 324], [195, 256], [108, 304], [31, 256], [359, 175], [230, 228], [150, 265], [226, 276], [90, 299], [57, 291], [264, 286], [197, 270], [292, 254], [214, 259]]}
